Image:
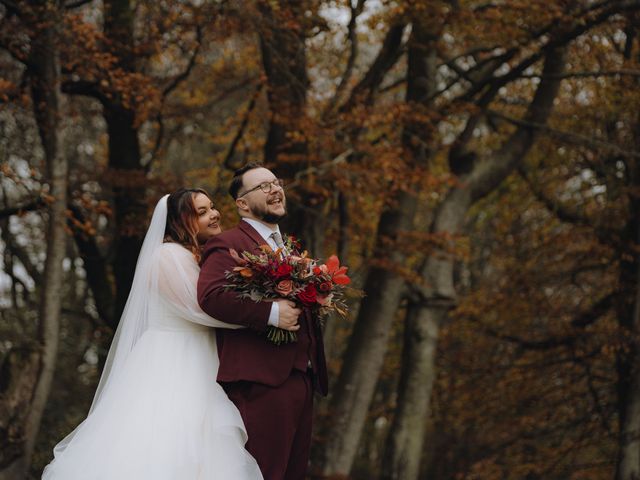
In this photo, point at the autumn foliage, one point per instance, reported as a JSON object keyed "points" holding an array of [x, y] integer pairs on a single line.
{"points": [[474, 163]]}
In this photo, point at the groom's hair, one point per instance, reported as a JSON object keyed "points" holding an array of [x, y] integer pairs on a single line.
{"points": [[236, 181]]}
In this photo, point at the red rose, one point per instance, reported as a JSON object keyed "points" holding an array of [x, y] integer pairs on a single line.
{"points": [[283, 270], [309, 295], [325, 287]]}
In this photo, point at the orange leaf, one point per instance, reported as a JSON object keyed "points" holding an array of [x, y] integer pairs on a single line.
{"points": [[340, 271], [236, 257], [333, 263], [245, 272]]}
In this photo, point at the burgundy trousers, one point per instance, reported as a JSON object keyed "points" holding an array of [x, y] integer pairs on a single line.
{"points": [[278, 421]]}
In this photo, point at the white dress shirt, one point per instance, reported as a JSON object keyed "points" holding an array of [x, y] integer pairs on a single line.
{"points": [[265, 232]]}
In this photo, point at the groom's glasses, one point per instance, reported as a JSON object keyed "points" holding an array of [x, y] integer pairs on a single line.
{"points": [[266, 187]]}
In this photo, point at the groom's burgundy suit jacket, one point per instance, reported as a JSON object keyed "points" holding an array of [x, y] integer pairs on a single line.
{"points": [[246, 354]]}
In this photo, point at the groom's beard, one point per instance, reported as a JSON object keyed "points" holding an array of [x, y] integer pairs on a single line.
{"points": [[263, 214]]}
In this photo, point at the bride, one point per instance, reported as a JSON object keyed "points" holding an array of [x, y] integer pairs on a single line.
{"points": [[158, 413]]}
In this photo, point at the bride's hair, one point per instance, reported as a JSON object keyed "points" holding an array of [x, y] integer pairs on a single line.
{"points": [[182, 225]]}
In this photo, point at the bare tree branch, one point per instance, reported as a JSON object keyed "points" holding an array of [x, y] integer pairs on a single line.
{"points": [[559, 209], [393, 85], [611, 73], [596, 311], [76, 4], [22, 255], [490, 171], [157, 144], [187, 71], [85, 88], [223, 95], [569, 137], [96, 268], [228, 159], [582, 320], [604, 418], [567, 214], [35, 204], [353, 53], [527, 344], [173, 84], [320, 169], [584, 20], [387, 57]]}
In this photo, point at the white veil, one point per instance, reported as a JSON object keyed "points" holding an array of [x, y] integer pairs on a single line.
{"points": [[135, 316], [157, 412]]}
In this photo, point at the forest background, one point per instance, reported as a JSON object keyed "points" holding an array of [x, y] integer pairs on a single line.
{"points": [[476, 164]]}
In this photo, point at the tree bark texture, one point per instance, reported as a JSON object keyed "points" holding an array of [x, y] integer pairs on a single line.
{"points": [[285, 65], [383, 287], [407, 436], [18, 374], [48, 103], [129, 199], [405, 442], [628, 312], [286, 151], [125, 163], [401, 457], [628, 362]]}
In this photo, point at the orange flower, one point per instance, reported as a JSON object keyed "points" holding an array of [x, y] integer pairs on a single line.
{"points": [[338, 273]]}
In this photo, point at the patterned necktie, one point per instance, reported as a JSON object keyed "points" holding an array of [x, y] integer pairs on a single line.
{"points": [[278, 239]]}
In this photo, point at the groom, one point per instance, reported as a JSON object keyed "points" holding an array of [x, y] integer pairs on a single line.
{"points": [[272, 386]]}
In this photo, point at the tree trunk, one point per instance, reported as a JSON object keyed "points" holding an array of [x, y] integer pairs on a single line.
{"points": [[95, 265], [282, 43], [406, 438], [128, 183], [19, 373], [628, 362], [404, 447], [361, 366], [628, 462], [48, 105], [401, 457], [125, 163], [285, 64], [383, 287], [628, 467]]}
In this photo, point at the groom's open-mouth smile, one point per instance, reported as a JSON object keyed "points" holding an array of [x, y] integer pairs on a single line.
{"points": [[276, 200]]}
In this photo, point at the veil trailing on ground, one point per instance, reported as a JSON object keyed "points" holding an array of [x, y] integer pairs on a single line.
{"points": [[135, 316]]}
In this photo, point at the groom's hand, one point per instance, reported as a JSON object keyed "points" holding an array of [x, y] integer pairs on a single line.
{"points": [[289, 313]]}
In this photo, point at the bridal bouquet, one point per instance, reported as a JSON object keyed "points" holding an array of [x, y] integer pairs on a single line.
{"points": [[271, 275]]}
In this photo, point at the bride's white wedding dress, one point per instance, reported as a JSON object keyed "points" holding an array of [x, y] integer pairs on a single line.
{"points": [[158, 413]]}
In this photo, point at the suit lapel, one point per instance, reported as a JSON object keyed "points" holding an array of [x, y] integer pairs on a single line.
{"points": [[251, 233]]}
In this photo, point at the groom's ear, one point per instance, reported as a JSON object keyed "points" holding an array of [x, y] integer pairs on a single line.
{"points": [[242, 204]]}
